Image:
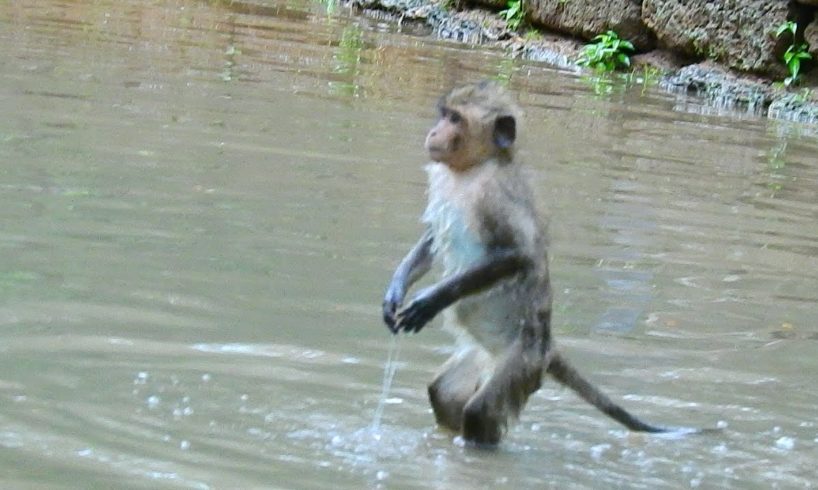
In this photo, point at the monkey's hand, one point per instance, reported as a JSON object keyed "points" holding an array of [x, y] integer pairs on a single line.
{"points": [[420, 311], [392, 300]]}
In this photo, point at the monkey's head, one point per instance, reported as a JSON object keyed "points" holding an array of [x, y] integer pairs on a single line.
{"points": [[477, 122]]}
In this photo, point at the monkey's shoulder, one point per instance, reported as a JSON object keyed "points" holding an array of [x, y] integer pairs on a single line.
{"points": [[492, 204]]}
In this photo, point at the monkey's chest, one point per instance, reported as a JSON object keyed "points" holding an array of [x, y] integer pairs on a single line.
{"points": [[455, 244], [490, 317]]}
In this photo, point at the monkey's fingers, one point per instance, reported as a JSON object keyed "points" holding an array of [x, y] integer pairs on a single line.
{"points": [[391, 324], [389, 317], [412, 318], [390, 321]]}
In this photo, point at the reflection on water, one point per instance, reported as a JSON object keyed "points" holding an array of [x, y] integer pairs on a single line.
{"points": [[201, 205]]}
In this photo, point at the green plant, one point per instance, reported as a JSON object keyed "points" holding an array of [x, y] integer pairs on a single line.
{"points": [[646, 76], [794, 54], [505, 70], [606, 52], [804, 96], [513, 14], [331, 6]]}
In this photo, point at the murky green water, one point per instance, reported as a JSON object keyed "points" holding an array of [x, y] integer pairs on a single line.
{"points": [[201, 203]]}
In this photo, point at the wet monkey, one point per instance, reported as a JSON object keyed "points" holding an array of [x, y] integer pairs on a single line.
{"points": [[482, 228]]}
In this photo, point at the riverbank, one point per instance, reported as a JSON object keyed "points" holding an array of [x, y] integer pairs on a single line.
{"points": [[740, 73]]}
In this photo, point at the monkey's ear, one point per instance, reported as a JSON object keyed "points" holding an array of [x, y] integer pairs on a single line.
{"points": [[505, 132]]}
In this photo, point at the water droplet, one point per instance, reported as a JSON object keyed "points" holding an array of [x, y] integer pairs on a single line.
{"points": [[785, 443], [598, 450]]}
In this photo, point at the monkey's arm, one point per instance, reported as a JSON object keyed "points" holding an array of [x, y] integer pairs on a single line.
{"points": [[416, 263], [429, 302]]}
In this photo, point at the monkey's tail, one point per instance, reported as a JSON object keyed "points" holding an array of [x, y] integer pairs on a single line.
{"points": [[562, 371]]}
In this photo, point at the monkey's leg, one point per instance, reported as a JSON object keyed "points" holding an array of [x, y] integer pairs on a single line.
{"points": [[458, 380], [517, 376]]}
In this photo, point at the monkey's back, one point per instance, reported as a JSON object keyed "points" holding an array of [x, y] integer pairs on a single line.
{"points": [[470, 213]]}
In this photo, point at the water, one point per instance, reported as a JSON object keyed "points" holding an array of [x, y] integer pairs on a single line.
{"points": [[202, 203], [390, 369]]}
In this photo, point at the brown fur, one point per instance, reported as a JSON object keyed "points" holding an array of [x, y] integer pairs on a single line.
{"points": [[483, 229]]}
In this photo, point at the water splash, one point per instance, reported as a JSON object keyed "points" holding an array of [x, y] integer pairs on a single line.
{"points": [[390, 369]]}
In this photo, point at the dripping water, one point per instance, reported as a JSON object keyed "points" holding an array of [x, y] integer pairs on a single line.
{"points": [[390, 369]]}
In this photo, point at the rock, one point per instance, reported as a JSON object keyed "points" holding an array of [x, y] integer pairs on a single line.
{"points": [[663, 60], [811, 37], [588, 18], [720, 88], [813, 3], [473, 26], [794, 107], [495, 4], [738, 33], [389, 5]]}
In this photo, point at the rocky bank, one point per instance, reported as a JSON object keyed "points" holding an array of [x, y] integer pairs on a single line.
{"points": [[725, 50]]}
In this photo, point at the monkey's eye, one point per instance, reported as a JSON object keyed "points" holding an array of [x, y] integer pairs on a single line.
{"points": [[455, 117]]}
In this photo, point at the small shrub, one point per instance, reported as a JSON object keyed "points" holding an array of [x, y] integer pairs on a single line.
{"points": [[606, 52], [513, 14], [794, 54]]}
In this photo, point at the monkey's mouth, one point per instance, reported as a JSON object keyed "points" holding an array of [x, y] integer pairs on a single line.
{"points": [[436, 152]]}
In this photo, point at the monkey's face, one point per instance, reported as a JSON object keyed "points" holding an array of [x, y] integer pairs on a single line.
{"points": [[467, 136], [445, 141]]}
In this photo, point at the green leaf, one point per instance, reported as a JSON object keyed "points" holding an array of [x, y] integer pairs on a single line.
{"points": [[788, 26], [606, 52]]}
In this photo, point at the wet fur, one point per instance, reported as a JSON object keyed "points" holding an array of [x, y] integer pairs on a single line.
{"points": [[501, 331], [483, 230]]}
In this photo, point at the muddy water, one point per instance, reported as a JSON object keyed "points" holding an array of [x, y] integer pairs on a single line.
{"points": [[201, 203]]}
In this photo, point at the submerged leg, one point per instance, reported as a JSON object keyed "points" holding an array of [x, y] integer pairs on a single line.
{"points": [[517, 376], [458, 380]]}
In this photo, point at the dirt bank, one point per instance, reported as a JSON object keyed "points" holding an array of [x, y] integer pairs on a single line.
{"points": [[734, 65]]}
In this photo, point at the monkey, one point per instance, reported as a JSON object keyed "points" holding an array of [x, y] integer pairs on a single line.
{"points": [[482, 228]]}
